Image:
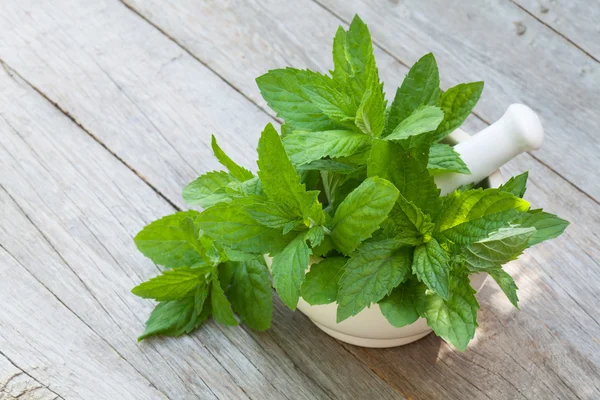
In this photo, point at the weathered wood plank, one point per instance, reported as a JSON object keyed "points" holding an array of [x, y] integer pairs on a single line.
{"points": [[14, 384], [51, 350], [79, 208], [519, 59], [576, 20]]}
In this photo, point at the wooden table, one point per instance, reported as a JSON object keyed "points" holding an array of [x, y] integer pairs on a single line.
{"points": [[106, 111]]}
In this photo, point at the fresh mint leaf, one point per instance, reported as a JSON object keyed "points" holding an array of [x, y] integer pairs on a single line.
{"points": [[282, 90], [341, 67], [272, 215], [497, 249], [280, 181], [409, 224], [547, 226], [326, 165], [289, 268], [225, 273], [221, 308], [359, 53], [169, 242], [443, 158], [361, 213], [370, 274], [506, 283], [172, 284], [321, 283], [431, 266], [324, 248], [306, 147], [420, 87], [328, 96], [457, 103], [391, 161], [516, 185], [315, 235], [174, 318], [455, 319], [405, 304], [208, 189], [247, 188], [472, 215], [236, 171], [423, 120], [370, 116], [236, 229], [250, 293]]}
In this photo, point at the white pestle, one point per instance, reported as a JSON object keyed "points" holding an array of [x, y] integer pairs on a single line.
{"points": [[519, 130]]}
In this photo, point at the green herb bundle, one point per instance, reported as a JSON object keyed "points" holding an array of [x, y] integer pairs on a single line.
{"points": [[350, 180]]}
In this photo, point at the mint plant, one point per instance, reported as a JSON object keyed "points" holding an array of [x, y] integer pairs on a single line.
{"points": [[351, 180]]}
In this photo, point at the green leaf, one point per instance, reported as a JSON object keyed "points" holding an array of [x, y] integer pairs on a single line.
{"points": [[174, 318], [221, 308], [250, 293], [497, 249], [321, 283], [208, 189], [420, 87], [280, 181], [235, 228], [238, 172], [410, 224], [370, 116], [361, 213], [371, 274], [282, 90], [431, 265], [341, 67], [391, 161], [359, 53], [405, 304], [424, 119], [168, 241], [289, 268], [272, 215], [173, 284], [326, 165], [455, 319], [247, 188], [324, 248], [506, 283], [315, 235], [305, 147], [328, 96], [443, 158], [547, 226], [457, 103], [516, 185], [472, 215]]}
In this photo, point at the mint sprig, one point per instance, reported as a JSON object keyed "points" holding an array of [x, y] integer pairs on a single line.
{"points": [[350, 180]]}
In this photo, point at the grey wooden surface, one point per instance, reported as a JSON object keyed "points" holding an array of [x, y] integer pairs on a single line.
{"points": [[106, 111]]}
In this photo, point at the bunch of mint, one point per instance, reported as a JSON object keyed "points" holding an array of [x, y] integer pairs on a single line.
{"points": [[350, 180]]}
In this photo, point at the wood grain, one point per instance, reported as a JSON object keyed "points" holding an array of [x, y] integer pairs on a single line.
{"points": [[73, 211], [576, 21], [520, 60], [153, 105]]}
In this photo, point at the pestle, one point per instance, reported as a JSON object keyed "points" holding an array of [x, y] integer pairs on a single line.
{"points": [[519, 130]]}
